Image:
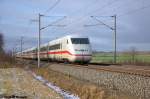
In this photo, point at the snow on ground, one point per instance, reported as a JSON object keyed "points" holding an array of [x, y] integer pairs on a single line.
{"points": [[64, 93], [18, 82]]}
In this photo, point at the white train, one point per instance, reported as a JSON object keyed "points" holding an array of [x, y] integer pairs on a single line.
{"points": [[71, 48]]}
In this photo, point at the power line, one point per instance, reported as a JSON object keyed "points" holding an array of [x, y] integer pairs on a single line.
{"points": [[54, 5], [85, 7], [124, 14], [87, 25], [108, 4], [39, 33], [134, 11], [103, 22], [52, 24], [83, 17], [116, 7], [113, 28]]}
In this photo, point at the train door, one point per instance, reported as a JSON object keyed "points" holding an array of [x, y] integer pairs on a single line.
{"points": [[50, 57], [65, 48], [47, 49], [61, 51]]}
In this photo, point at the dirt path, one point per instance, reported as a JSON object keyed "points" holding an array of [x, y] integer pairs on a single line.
{"points": [[17, 82]]}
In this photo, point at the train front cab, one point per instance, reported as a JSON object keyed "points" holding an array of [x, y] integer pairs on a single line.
{"points": [[81, 50]]}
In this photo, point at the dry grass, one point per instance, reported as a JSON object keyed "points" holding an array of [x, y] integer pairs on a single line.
{"points": [[6, 61], [84, 90], [16, 81]]}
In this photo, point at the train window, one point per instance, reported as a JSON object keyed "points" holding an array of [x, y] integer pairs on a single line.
{"points": [[80, 40], [34, 51], [54, 47], [43, 49]]}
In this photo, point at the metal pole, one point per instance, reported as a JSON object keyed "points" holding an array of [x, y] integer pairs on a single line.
{"points": [[39, 40], [115, 39], [21, 44], [13, 52], [114, 29]]}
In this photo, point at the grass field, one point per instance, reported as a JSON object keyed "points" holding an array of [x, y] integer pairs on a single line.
{"points": [[121, 58]]}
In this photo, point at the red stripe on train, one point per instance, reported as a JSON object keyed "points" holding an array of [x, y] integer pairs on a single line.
{"points": [[66, 52]]}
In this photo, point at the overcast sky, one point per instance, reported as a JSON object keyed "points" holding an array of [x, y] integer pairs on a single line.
{"points": [[133, 22]]}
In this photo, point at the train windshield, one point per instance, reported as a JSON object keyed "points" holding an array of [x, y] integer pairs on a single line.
{"points": [[80, 40]]}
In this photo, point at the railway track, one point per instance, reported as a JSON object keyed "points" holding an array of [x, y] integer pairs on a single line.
{"points": [[116, 68]]}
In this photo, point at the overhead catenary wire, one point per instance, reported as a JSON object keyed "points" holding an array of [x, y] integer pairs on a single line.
{"points": [[113, 28], [53, 6], [108, 4], [85, 7], [124, 14], [102, 22], [78, 9], [131, 11], [83, 17], [52, 24], [134, 11], [115, 7]]}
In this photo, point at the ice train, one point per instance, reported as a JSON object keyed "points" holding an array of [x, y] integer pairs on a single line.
{"points": [[71, 48]]}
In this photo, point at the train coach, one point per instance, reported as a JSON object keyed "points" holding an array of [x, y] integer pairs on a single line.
{"points": [[71, 48]]}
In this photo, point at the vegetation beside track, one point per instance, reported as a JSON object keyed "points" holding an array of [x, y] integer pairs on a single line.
{"points": [[84, 89], [140, 58], [6, 59]]}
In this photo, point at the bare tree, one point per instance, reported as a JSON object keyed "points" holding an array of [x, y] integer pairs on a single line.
{"points": [[133, 54], [1, 43]]}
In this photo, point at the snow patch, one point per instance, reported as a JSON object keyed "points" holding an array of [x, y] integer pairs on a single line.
{"points": [[64, 93]]}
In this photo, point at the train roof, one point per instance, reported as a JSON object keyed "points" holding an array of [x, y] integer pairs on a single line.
{"points": [[69, 36], [76, 36], [29, 49]]}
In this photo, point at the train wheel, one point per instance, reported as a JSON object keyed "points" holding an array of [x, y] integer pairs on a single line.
{"points": [[66, 61]]}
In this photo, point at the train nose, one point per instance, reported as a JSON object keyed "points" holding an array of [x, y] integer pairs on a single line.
{"points": [[81, 51], [82, 58]]}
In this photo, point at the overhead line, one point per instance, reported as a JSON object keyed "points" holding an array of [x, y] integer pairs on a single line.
{"points": [[102, 22], [134, 11], [54, 23], [53, 6], [83, 17], [85, 7], [130, 12]]}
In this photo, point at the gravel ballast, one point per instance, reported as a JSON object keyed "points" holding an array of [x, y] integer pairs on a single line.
{"points": [[132, 84]]}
